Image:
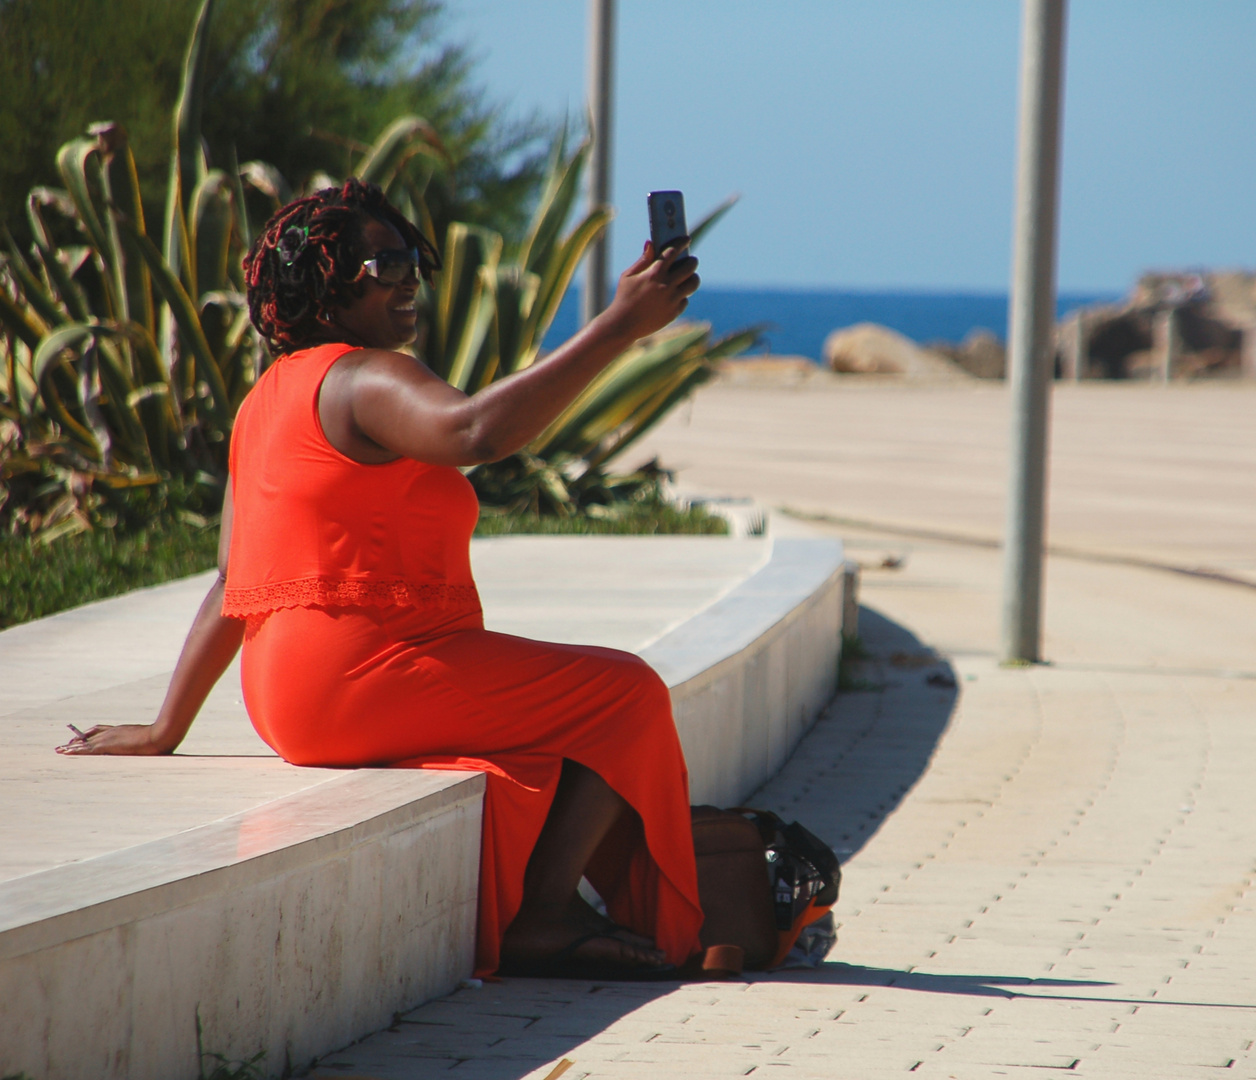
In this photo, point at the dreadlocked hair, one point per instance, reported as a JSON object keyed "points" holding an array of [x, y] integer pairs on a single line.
{"points": [[308, 260]]}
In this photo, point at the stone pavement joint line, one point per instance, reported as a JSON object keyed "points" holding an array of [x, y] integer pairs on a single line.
{"points": [[1047, 870]]}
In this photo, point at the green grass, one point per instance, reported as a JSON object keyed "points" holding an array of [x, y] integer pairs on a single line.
{"points": [[225, 1069], [642, 519], [41, 579]]}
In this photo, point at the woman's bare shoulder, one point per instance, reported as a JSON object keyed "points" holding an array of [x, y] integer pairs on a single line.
{"points": [[373, 401]]}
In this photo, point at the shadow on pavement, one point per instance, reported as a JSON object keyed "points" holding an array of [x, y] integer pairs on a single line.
{"points": [[872, 745], [1002, 986]]}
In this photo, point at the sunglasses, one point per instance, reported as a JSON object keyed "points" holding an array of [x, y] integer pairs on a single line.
{"points": [[394, 265]]}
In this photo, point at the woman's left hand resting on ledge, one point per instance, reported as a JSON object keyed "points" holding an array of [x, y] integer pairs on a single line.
{"points": [[138, 739], [211, 645]]}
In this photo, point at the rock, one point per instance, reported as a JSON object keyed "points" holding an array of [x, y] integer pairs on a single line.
{"points": [[1233, 295], [1118, 343], [1212, 332], [869, 349], [984, 355], [980, 354]]}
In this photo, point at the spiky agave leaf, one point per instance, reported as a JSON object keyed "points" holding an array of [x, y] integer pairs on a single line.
{"points": [[73, 162], [603, 403], [18, 318], [120, 187], [555, 280], [187, 166], [75, 415], [706, 223], [187, 157], [53, 261], [32, 290], [513, 334], [211, 218], [403, 139], [558, 198], [232, 339], [264, 177], [464, 302], [187, 318]]}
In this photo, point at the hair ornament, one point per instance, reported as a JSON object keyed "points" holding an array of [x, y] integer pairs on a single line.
{"points": [[292, 243]]}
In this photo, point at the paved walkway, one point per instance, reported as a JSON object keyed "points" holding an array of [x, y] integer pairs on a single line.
{"points": [[1137, 470], [1048, 869]]}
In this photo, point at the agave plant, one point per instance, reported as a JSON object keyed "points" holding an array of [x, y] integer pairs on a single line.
{"points": [[125, 358], [124, 362], [402, 161], [489, 316], [564, 471]]}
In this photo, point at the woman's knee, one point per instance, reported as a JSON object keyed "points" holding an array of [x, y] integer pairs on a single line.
{"points": [[643, 680]]}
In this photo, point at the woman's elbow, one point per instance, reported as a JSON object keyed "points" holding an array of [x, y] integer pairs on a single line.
{"points": [[481, 447]]}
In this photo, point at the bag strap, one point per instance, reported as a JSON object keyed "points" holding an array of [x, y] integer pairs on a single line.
{"points": [[768, 823]]}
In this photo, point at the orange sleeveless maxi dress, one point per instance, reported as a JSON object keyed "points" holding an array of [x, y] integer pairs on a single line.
{"points": [[365, 646]]}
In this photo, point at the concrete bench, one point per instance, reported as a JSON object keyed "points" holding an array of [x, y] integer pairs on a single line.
{"points": [[294, 910]]}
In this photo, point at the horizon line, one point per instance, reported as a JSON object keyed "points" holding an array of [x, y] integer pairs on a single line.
{"points": [[900, 290]]}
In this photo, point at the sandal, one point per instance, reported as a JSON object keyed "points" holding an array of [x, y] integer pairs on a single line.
{"points": [[564, 964]]}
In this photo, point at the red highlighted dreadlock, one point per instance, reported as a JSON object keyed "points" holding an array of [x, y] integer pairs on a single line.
{"points": [[308, 260]]}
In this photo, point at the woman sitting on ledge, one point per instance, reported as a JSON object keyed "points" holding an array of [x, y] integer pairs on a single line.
{"points": [[347, 579]]}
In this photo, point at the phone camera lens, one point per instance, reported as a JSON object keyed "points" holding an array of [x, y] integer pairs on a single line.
{"points": [[669, 208]]}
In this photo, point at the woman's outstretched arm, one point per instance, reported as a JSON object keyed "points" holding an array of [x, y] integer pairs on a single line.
{"points": [[402, 407], [211, 645]]}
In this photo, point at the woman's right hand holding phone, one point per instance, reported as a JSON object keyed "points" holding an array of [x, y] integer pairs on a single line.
{"points": [[653, 291]]}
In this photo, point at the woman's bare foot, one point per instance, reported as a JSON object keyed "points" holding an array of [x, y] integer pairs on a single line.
{"points": [[535, 938], [591, 919]]}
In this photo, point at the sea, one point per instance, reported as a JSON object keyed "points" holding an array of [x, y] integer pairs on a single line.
{"points": [[796, 321]]}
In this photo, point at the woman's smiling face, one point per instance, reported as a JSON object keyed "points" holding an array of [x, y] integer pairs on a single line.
{"points": [[384, 316]]}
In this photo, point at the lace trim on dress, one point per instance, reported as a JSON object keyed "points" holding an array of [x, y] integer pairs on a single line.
{"points": [[240, 603]]}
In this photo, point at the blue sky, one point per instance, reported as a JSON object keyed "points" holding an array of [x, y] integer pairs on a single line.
{"points": [[873, 141]]}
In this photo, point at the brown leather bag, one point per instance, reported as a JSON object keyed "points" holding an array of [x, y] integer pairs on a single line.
{"points": [[760, 882], [735, 893]]}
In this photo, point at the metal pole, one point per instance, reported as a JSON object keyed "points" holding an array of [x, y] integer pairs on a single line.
{"points": [[1169, 341], [1081, 347], [1030, 323], [601, 88]]}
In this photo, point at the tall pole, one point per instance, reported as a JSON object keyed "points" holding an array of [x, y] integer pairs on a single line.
{"points": [[601, 88], [1030, 323]]}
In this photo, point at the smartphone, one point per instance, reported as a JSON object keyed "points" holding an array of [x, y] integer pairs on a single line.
{"points": [[667, 218]]}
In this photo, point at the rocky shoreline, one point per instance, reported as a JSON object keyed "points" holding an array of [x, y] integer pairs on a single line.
{"points": [[1179, 325], [1171, 326]]}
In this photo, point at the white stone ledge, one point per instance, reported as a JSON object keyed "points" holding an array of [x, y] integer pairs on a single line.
{"points": [[305, 922], [750, 673], [294, 927], [357, 807]]}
